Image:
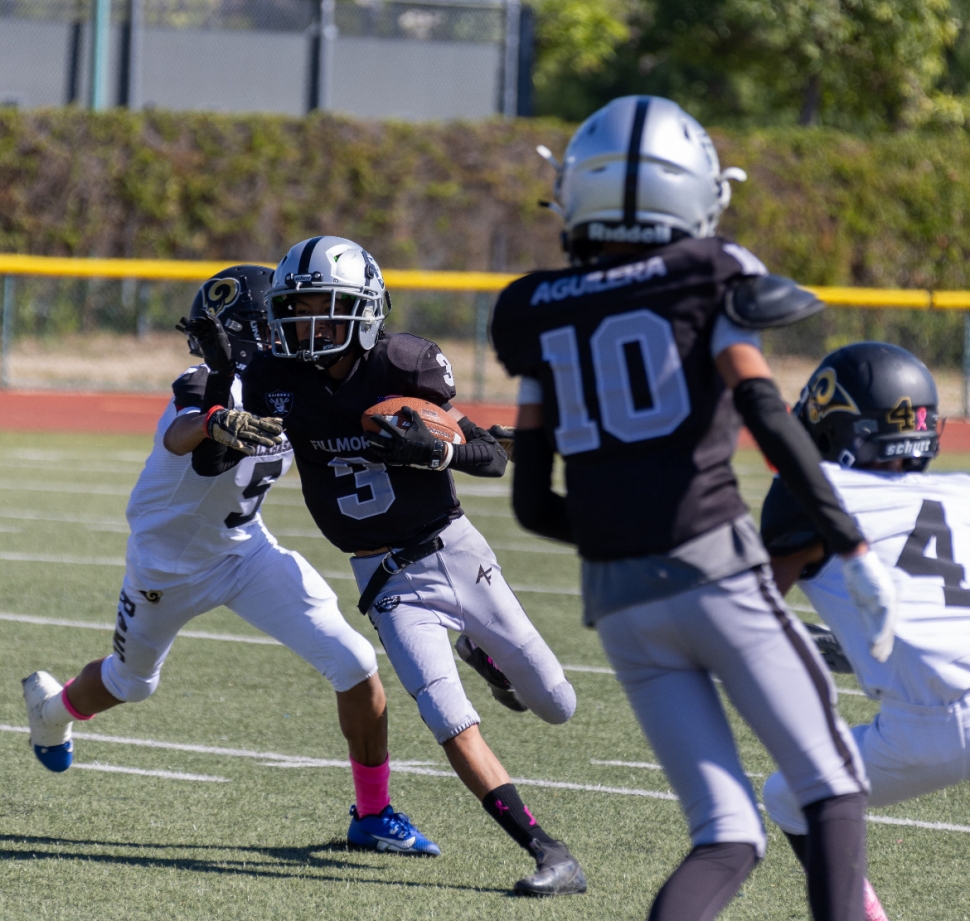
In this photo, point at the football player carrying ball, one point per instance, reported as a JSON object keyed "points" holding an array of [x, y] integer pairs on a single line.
{"points": [[389, 499]]}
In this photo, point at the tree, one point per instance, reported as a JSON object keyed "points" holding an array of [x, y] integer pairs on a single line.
{"points": [[576, 41], [857, 64]]}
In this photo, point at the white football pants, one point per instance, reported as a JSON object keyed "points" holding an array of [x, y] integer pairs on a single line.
{"points": [[908, 751], [274, 589]]}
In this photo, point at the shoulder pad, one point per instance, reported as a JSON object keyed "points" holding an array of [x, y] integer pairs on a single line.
{"points": [[769, 301]]}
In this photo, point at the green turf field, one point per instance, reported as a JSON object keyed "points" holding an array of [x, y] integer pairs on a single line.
{"points": [[251, 825]]}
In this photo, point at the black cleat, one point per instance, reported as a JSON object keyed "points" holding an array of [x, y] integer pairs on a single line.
{"points": [[557, 872], [499, 685], [830, 649]]}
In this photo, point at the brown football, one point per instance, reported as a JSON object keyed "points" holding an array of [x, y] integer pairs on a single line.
{"points": [[443, 426]]}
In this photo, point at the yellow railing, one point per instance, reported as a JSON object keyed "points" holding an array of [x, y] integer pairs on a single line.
{"points": [[186, 270], [419, 280]]}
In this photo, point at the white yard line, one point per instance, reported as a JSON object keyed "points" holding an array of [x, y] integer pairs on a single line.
{"points": [[274, 759], [187, 634], [16, 557], [27, 515], [645, 765], [167, 775], [72, 488], [260, 640]]}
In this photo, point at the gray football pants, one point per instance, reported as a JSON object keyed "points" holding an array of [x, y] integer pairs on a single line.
{"points": [[461, 588], [666, 654]]}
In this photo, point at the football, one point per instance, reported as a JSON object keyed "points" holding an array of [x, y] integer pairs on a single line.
{"points": [[443, 426]]}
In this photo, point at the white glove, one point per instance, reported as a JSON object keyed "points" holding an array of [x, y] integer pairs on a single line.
{"points": [[874, 594]]}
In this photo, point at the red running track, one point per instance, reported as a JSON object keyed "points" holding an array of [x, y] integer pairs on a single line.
{"points": [[137, 414]]}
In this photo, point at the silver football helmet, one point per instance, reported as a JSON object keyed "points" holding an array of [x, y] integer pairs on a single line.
{"points": [[346, 286], [640, 170]]}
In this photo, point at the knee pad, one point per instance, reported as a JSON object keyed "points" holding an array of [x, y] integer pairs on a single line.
{"points": [[353, 661], [445, 709], [124, 684], [558, 705], [782, 807]]}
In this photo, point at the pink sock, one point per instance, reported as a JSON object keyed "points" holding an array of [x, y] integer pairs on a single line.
{"points": [[874, 909], [70, 707], [372, 787]]}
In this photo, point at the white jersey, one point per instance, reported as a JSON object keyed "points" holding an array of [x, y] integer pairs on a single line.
{"points": [[181, 521], [919, 526]]}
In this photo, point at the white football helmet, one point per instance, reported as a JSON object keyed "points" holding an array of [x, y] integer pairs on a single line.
{"points": [[351, 290], [639, 170]]}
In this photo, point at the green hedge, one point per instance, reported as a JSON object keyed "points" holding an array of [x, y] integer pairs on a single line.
{"points": [[821, 206]]}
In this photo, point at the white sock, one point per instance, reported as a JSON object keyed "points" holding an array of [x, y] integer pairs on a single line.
{"points": [[54, 713]]}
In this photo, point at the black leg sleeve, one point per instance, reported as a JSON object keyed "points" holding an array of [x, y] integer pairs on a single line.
{"points": [[835, 857], [789, 448], [704, 883], [536, 506]]}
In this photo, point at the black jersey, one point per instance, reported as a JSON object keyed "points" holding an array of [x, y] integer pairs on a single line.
{"points": [[189, 389], [631, 397], [356, 501]]}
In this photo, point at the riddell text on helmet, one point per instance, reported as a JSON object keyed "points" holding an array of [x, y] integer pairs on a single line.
{"points": [[638, 233]]}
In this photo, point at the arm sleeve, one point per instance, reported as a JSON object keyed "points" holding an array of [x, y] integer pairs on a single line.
{"points": [[480, 455], [536, 506], [789, 448], [211, 458]]}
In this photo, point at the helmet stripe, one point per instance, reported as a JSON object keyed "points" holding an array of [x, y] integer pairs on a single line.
{"points": [[311, 245], [633, 162]]}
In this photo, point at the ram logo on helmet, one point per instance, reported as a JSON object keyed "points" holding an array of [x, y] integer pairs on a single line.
{"points": [[220, 293], [825, 395]]}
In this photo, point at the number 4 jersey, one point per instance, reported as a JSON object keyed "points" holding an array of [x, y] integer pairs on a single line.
{"points": [[919, 525], [630, 395], [179, 520]]}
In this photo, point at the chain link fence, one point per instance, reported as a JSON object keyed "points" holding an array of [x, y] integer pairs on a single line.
{"points": [[102, 334], [431, 59]]}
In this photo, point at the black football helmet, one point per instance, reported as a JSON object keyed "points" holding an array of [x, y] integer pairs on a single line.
{"points": [[236, 297], [872, 402]]}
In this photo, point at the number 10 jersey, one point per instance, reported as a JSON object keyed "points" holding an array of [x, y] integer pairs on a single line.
{"points": [[631, 398], [180, 521]]}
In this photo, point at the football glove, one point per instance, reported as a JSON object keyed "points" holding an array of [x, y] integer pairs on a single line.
{"points": [[237, 429], [830, 649], [414, 446], [873, 593], [210, 337], [505, 436]]}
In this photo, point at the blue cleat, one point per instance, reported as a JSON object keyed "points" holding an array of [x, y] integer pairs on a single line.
{"points": [[51, 742], [388, 831]]}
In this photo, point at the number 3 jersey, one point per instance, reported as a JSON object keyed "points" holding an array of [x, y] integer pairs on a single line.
{"points": [[919, 525], [179, 520], [356, 501], [630, 395]]}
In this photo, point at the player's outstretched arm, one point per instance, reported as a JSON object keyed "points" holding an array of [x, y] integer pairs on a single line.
{"points": [[789, 448]]}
